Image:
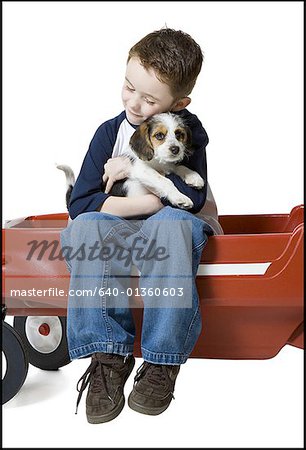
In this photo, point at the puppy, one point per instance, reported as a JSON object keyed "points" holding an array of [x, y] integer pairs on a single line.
{"points": [[155, 149]]}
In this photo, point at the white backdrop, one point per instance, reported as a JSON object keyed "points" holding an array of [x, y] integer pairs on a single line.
{"points": [[63, 67]]}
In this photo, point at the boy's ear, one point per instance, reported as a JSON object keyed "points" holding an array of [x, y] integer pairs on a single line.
{"points": [[182, 103], [140, 142]]}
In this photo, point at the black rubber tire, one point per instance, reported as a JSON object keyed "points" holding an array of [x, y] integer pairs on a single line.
{"points": [[17, 362], [46, 361]]}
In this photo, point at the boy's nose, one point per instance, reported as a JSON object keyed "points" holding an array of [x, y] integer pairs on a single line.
{"points": [[134, 106]]}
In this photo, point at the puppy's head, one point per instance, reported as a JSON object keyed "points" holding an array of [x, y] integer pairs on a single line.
{"points": [[164, 137]]}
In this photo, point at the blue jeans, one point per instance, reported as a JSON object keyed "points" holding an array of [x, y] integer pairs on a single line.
{"points": [[100, 250]]}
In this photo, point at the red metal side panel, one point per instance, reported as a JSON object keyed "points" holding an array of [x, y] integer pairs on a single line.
{"points": [[244, 316]]}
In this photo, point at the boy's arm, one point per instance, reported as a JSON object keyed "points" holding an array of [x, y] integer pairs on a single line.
{"points": [[196, 162], [86, 194], [143, 205]]}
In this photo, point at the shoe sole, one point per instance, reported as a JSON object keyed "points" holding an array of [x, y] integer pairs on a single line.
{"points": [[145, 410], [116, 411]]}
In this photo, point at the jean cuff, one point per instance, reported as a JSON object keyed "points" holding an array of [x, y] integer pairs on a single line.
{"points": [[103, 347], [163, 358]]}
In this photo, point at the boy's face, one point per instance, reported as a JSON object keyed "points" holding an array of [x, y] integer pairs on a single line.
{"points": [[143, 95]]}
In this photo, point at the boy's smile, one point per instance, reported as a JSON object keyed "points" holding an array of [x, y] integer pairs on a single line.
{"points": [[143, 94]]}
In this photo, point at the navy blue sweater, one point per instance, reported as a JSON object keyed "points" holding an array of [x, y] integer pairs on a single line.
{"points": [[110, 140]]}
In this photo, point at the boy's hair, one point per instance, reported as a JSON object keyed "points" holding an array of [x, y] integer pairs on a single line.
{"points": [[174, 56]]}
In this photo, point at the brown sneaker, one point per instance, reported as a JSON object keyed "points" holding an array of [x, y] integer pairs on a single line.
{"points": [[106, 377], [153, 388]]}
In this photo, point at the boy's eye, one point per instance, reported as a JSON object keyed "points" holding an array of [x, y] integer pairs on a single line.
{"points": [[149, 101], [159, 136], [130, 89]]}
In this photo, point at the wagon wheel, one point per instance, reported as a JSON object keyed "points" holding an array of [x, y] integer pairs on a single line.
{"points": [[45, 340], [15, 362]]}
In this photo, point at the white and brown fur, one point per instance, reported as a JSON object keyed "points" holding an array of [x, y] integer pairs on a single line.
{"points": [[70, 180], [155, 149]]}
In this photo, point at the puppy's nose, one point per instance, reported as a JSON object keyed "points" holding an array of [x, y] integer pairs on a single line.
{"points": [[174, 149]]}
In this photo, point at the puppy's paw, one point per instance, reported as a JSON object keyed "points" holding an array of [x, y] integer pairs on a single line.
{"points": [[181, 200], [194, 180]]}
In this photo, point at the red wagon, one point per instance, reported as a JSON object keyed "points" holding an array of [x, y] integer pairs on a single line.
{"points": [[250, 284]]}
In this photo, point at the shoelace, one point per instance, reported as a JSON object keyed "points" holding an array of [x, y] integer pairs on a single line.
{"points": [[99, 382], [155, 374]]}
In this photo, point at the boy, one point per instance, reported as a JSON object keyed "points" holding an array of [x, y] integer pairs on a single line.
{"points": [[162, 69]]}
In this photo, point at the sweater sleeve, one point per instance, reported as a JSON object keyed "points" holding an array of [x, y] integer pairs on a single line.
{"points": [[87, 192], [196, 162]]}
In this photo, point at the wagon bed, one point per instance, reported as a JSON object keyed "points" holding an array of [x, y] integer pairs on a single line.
{"points": [[250, 282]]}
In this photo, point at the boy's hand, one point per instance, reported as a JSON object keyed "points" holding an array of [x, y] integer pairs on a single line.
{"points": [[115, 169]]}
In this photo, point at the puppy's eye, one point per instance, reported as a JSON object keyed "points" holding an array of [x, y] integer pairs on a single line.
{"points": [[159, 136], [179, 135]]}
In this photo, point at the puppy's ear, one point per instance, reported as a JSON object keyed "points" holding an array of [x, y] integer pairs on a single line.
{"points": [[188, 137], [140, 142]]}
